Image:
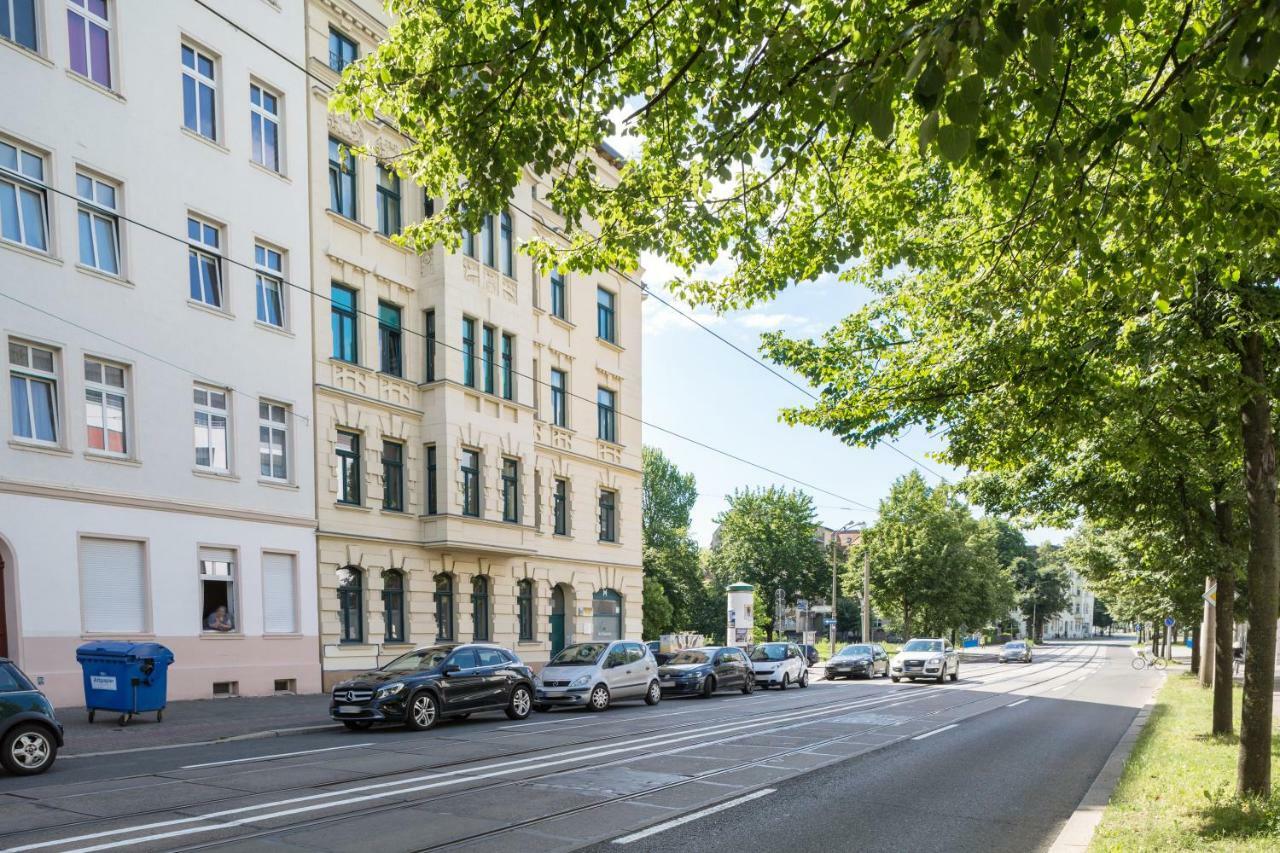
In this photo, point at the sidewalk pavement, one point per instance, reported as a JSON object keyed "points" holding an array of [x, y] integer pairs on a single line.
{"points": [[194, 721]]}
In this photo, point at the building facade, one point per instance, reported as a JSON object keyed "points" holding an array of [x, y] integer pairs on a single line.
{"points": [[156, 472], [1073, 623], [477, 434]]}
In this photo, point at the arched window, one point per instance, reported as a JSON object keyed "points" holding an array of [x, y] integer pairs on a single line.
{"points": [[606, 616], [524, 608], [444, 607], [351, 604], [393, 606], [480, 608]]}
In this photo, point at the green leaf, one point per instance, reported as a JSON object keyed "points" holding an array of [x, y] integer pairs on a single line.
{"points": [[954, 142], [881, 118], [928, 130]]}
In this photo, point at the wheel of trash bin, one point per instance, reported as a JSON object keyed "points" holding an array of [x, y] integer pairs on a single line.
{"points": [[125, 718], [160, 716], [91, 715]]}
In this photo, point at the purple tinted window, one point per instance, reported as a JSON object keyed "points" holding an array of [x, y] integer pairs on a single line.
{"points": [[100, 52], [90, 42], [79, 48]]}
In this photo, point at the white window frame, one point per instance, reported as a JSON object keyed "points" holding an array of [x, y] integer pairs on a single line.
{"points": [[89, 599], [276, 441], [268, 277], [214, 554], [210, 411], [82, 9], [106, 390], [22, 181], [206, 251], [95, 209], [37, 23], [259, 114], [199, 79], [29, 374]]}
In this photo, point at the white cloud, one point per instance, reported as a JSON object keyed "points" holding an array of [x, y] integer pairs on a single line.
{"points": [[766, 321], [658, 318]]}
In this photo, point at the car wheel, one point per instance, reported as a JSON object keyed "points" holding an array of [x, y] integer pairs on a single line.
{"points": [[357, 725], [894, 679], [599, 698], [708, 687], [748, 686], [423, 712], [541, 707], [28, 749], [804, 678], [521, 703], [828, 675], [786, 681], [654, 696], [955, 673], [942, 676]]}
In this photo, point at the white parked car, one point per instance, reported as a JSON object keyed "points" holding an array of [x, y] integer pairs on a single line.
{"points": [[779, 665], [596, 674], [926, 658]]}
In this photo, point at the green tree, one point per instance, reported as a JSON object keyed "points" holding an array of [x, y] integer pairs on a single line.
{"points": [[933, 566], [1055, 175], [658, 612], [766, 539], [671, 556]]}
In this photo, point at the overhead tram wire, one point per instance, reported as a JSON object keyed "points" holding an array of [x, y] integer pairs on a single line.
{"points": [[407, 330], [533, 218]]}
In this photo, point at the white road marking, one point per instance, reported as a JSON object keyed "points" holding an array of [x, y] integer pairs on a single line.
{"points": [[936, 732], [272, 757], [1059, 687], [1082, 678], [1016, 704], [429, 781], [691, 817]]}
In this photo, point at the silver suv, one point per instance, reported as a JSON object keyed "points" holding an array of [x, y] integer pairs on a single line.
{"points": [[596, 674]]}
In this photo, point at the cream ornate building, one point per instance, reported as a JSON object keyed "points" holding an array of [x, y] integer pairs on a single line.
{"points": [[477, 441]]}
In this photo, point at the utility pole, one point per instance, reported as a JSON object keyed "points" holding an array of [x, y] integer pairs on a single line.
{"points": [[866, 594], [833, 597], [1208, 634]]}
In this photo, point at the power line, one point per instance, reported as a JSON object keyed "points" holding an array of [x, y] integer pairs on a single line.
{"points": [[533, 218], [410, 331]]}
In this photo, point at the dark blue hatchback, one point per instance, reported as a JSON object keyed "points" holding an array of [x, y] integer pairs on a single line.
{"points": [[29, 732]]}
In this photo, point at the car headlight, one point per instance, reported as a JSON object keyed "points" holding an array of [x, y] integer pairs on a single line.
{"points": [[389, 690], [936, 659], [581, 681]]}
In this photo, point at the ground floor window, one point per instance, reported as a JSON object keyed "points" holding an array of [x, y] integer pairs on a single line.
{"points": [[351, 604], [393, 606], [444, 607], [524, 609], [480, 608], [606, 616], [217, 589]]}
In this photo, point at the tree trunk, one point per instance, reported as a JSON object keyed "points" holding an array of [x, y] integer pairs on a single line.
{"points": [[1253, 772], [1224, 623], [1195, 652], [906, 620]]}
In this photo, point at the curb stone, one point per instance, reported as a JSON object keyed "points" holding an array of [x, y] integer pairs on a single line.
{"points": [[1078, 831]]}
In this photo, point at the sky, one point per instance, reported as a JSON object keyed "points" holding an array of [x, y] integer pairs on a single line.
{"points": [[697, 386]]}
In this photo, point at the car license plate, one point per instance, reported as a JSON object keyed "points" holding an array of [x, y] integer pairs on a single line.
{"points": [[349, 709]]}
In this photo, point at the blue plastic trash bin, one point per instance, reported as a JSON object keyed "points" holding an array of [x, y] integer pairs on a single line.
{"points": [[128, 678]]}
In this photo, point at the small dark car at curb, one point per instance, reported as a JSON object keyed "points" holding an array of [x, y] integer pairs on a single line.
{"points": [[418, 688], [29, 732], [703, 671], [859, 659]]}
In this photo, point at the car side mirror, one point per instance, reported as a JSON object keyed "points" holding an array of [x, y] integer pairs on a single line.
{"points": [[450, 669]]}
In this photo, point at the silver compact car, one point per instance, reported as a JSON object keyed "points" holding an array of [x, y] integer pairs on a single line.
{"points": [[779, 665], [931, 658], [594, 675], [1017, 650]]}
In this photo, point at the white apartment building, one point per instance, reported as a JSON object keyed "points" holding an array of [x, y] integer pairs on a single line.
{"points": [[156, 467], [457, 498], [1073, 623]]}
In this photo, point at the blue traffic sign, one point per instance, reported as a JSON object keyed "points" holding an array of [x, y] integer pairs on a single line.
{"points": [[1168, 621], [828, 622]]}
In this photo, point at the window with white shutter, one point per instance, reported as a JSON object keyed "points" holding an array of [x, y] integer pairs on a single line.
{"points": [[113, 586], [279, 610]]}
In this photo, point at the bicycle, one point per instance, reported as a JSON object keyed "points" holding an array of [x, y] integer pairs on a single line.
{"points": [[1141, 661]]}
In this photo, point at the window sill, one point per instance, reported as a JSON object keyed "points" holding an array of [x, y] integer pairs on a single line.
{"points": [[560, 321], [277, 484], [568, 537], [341, 219], [289, 636], [97, 87], [275, 330], [220, 635], [27, 52], [27, 250], [270, 171], [38, 447], [610, 544], [211, 474], [351, 507], [342, 362], [610, 344], [528, 643], [199, 137], [105, 276], [107, 457], [390, 243], [397, 512], [616, 445], [210, 309]]}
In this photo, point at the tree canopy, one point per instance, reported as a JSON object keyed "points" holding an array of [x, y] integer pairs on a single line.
{"points": [[672, 565]]}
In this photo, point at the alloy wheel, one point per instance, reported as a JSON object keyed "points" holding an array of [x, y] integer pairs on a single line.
{"points": [[30, 750], [521, 703], [423, 711], [599, 698]]}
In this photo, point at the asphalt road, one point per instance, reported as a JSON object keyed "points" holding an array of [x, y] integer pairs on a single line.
{"points": [[995, 761]]}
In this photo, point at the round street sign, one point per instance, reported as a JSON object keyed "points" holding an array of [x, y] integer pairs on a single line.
{"points": [[1168, 621]]}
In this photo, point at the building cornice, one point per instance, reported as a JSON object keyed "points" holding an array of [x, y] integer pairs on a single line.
{"points": [[454, 545], [71, 493]]}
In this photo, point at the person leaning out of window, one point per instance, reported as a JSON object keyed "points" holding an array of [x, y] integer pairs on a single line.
{"points": [[219, 620]]}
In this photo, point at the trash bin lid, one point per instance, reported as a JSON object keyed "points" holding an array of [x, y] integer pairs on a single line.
{"points": [[124, 650]]}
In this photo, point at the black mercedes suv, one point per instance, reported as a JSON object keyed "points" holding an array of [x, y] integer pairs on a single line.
{"points": [[420, 687]]}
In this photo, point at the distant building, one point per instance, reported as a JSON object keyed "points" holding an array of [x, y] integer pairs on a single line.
{"points": [[1073, 623]]}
